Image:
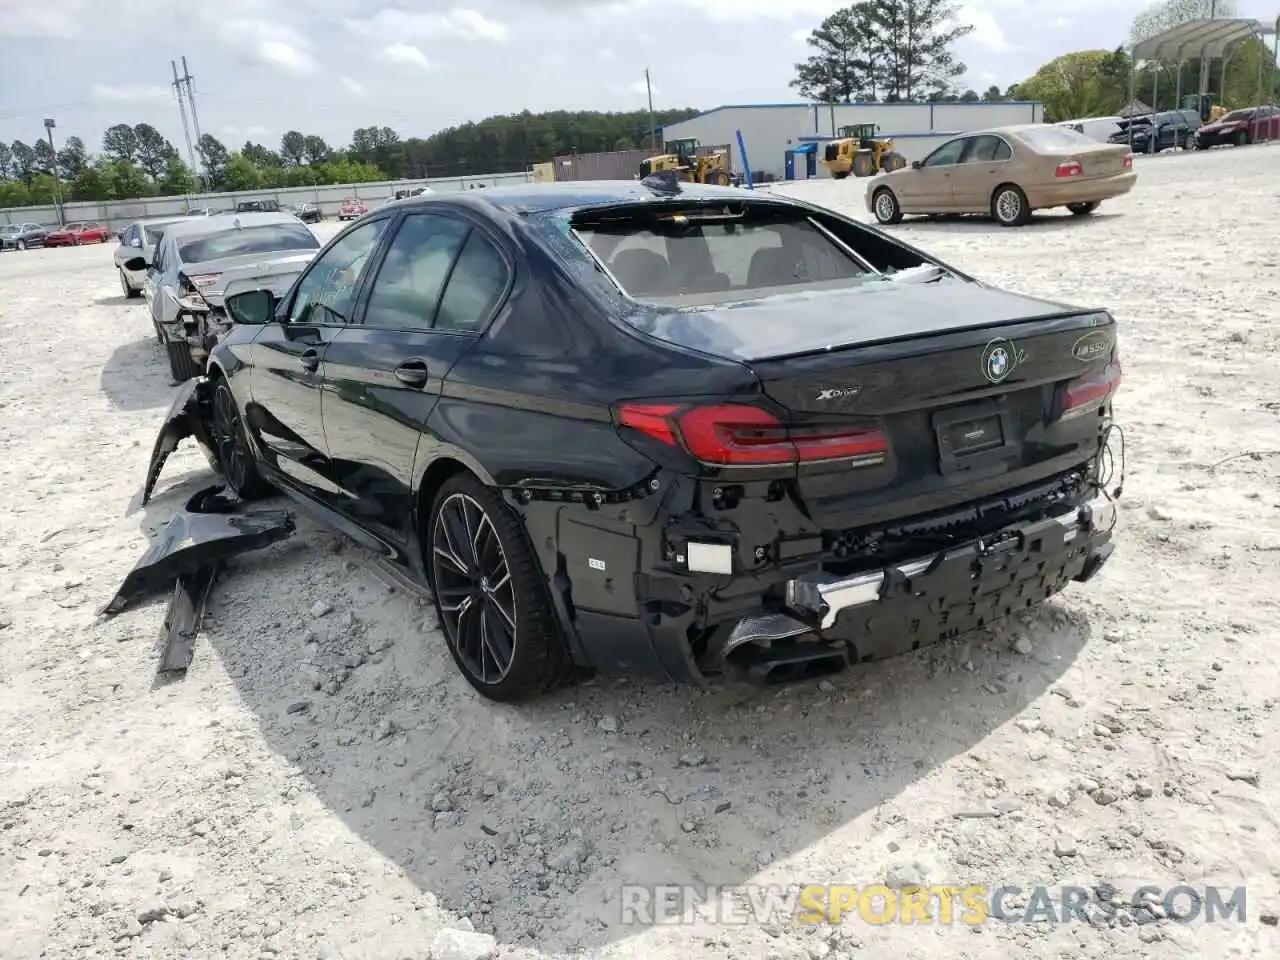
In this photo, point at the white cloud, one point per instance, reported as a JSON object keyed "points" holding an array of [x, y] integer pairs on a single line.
{"points": [[50, 18], [801, 36], [353, 86], [286, 56], [459, 23], [555, 60], [1062, 21], [986, 31], [111, 93], [407, 54], [640, 90], [606, 53]]}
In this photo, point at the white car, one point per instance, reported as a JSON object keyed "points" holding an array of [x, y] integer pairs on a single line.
{"points": [[405, 195]]}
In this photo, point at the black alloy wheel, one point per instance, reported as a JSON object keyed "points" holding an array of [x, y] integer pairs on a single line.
{"points": [[475, 589], [232, 447]]}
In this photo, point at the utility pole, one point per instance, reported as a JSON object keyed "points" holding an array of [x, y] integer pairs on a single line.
{"points": [[183, 84], [57, 182], [653, 129], [182, 109]]}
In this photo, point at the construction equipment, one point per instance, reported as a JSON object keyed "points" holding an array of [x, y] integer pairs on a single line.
{"points": [[682, 157], [859, 151]]}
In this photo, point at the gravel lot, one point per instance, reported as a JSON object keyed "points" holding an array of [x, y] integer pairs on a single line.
{"points": [[328, 785]]}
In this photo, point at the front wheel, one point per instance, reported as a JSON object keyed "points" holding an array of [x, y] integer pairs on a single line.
{"points": [[489, 594], [1241, 139], [21, 245], [887, 209], [1009, 206], [231, 443], [1189, 141], [1083, 209], [126, 289]]}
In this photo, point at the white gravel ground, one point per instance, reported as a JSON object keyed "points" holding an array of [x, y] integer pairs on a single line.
{"points": [[330, 787]]}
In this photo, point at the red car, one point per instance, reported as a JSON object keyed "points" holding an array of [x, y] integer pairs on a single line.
{"points": [[74, 234], [351, 209], [1241, 127]]}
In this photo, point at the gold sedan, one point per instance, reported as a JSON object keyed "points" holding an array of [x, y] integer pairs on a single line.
{"points": [[1006, 173]]}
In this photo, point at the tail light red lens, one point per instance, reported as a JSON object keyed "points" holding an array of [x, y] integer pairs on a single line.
{"points": [[1070, 168], [1128, 161], [733, 434], [1084, 394]]}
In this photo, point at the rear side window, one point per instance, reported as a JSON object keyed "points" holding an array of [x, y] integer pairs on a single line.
{"points": [[1055, 138], [154, 234], [477, 282], [708, 258]]}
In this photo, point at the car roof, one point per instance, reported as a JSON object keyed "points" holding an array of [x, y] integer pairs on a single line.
{"points": [[197, 226], [545, 197]]}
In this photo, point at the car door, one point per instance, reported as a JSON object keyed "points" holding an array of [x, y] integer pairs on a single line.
{"points": [[983, 166], [155, 271], [439, 279], [288, 359], [929, 187]]}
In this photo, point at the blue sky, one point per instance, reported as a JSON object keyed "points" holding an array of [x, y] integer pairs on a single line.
{"points": [[328, 66]]}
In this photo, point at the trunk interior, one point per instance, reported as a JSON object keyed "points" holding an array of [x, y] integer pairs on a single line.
{"points": [[954, 434]]}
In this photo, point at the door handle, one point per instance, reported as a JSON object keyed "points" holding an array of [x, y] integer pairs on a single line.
{"points": [[412, 373], [309, 359]]}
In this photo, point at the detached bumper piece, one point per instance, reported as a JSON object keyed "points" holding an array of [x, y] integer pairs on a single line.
{"points": [[832, 621], [187, 555], [189, 415]]}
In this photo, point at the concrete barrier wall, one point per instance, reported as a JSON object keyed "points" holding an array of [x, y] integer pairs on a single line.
{"points": [[118, 214]]}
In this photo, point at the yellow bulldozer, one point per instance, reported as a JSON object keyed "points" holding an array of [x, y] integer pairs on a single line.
{"points": [[859, 151], [682, 158]]}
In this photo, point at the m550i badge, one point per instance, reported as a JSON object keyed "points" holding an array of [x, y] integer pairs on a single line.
{"points": [[1000, 358], [840, 393], [1091, 346]]}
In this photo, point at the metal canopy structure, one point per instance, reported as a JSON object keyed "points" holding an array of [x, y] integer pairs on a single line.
{"points": [[1205, 41], [1198, 40]]}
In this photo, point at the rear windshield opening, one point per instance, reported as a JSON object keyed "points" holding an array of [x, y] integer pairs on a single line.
{"points": [[1056, 138], [701, 259], [268, 238]]}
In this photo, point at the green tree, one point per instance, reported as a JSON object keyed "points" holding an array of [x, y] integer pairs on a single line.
{"points": [[6, 162], [1167, 14], [73, 158], [44, 156], [213, 155], [120, 142], [917, 38], [315, 150], [94, 182], [293, 147], [127, 180], [260, 156], [24, 162], [154, 150], [1086, 83], [177, 179], [239, 173], [846, 59]]}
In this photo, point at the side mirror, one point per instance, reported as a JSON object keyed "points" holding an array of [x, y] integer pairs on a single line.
{"points": [[136, 263], [915, 164], [252, 308]]}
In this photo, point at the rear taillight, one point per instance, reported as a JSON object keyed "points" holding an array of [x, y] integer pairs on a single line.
{"points": [[1070, 168], [1128, 161], [733, 434], [1084, 394]]}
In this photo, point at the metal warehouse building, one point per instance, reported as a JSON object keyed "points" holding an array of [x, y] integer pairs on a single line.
{"points": [[784, 138]]}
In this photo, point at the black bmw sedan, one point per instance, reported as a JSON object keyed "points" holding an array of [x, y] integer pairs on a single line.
{"points": [[672, 429]]}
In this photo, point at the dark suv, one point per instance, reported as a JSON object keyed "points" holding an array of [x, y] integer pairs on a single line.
{"points": [[1159, 131]]}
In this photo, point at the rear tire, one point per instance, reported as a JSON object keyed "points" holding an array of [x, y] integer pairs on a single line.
{"points": [[1083, 209], [231, 444], [20, 245], [181, 364], [843, 175], [886, 207], [129, 292], [864, 165], [893, 161], [719, 177], [1009, 206], [490, 595], [1241, 139], [1189, 141]]}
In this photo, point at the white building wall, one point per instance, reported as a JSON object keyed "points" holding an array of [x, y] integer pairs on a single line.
{"points": [[770, 130]]}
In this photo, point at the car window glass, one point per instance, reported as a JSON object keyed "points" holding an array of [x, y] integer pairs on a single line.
{"points": [[1003, 150], [946, 154], [982, 150], [327, 292], [475, 286], [407, 288]]}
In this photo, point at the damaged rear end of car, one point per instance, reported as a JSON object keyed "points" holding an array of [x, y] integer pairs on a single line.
{"points": [[907, 454]]}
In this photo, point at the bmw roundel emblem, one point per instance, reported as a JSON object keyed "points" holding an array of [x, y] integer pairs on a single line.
{"points": [[999, 359]]}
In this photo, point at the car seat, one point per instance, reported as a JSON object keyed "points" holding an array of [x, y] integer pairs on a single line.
{"points": [[642, 272]]}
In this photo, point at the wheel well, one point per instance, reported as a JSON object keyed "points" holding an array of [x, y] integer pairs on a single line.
{"points": [[880, 190], [996, 192]]}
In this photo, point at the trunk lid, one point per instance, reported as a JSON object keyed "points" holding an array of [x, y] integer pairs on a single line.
{"points": [[965, 382]]}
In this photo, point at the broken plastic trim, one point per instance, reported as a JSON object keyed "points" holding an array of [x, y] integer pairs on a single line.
{"points": [[191, 541], [189, 416]]}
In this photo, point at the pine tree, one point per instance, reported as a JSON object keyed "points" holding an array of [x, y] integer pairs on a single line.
{"points": [[916, 38]]}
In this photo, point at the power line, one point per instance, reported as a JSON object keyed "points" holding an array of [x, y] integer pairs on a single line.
{"points": [[182, 109]]}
